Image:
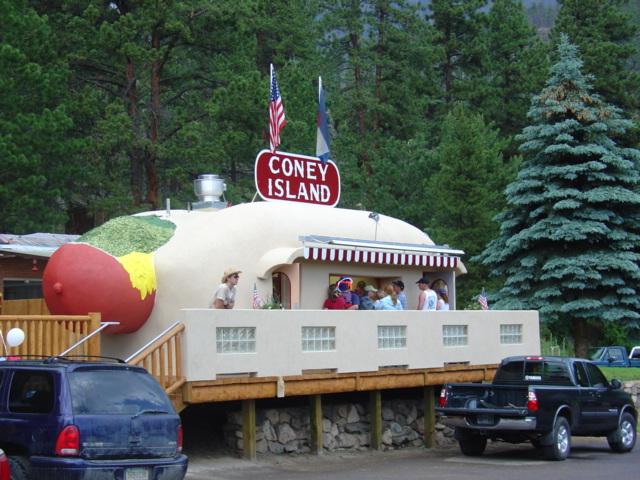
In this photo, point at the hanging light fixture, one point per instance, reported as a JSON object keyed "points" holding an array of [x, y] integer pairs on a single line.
{"points": [[35, 268]]}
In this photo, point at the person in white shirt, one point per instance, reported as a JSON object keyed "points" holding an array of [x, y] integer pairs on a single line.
{"points": [[443, 300], [427, 300], [225, 296]]}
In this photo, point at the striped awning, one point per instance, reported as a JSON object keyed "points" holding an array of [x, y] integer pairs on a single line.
{"points": [[331, 254]]}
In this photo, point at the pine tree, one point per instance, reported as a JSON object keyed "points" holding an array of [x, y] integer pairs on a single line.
{"points": [[606, 36], [569, 241], [514, 67], [464, 191], [36, 141], [458, 24]]}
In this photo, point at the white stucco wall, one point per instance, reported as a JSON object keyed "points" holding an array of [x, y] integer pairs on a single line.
{"points": [[278, 349]]}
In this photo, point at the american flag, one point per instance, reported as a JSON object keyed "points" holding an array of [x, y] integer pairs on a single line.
{"points": [[482, 300], [277, 120], [256, 302]]}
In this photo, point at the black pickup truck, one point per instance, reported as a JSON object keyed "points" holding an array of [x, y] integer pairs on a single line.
{"points": [[544, 400]]}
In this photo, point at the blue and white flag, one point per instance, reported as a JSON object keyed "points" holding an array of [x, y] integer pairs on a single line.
{"points": [[322, 139]]}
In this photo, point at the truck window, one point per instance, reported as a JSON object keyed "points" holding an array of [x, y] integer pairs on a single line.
{"points": [[31, 392], [635, 353], [556, 373], [581, 374], [616, 354], [544, 372], [596, 377]]}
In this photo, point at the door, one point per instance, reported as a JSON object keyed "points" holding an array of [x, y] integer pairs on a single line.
{"points": [[600, 413]]}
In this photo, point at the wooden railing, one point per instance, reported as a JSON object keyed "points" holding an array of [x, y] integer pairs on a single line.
{"points": [[52, 334], [162, 358]]}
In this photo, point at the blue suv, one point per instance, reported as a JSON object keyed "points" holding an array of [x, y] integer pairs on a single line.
{"points": [[62, 418]]}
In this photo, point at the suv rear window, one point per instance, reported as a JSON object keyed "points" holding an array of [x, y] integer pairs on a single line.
{"points": [[116, 392], [528, 371], [31, 392]]}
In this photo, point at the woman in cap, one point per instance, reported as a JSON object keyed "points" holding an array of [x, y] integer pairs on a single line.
{"points": [[225, 296]]}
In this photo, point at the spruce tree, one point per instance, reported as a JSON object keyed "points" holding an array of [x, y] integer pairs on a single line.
{"points": [[464, 191], [569, 239], [607, 38]]}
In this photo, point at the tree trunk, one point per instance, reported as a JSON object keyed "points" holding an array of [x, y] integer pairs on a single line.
{"points": [[135, 155], [151, 154], [580, 336]]}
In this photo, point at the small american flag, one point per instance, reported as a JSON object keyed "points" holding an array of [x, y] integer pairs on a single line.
{"points": [[277, 120], [256, 302], [482, 300]]}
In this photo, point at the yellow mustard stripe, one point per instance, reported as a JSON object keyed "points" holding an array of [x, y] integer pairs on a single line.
{"points": [[141, 272]]}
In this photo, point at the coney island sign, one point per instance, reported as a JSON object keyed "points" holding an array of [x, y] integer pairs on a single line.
{"points": [[297, 178]]}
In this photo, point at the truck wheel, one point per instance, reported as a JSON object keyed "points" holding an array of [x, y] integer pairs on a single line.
{"points": [[19, 467], [561, 446], [623, 438], [473, 445]]}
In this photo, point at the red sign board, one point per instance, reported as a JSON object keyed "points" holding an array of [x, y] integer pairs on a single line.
{"points": [[297, 178]]}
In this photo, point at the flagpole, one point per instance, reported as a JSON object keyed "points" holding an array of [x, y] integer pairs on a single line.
{"points": [[319, 87]]}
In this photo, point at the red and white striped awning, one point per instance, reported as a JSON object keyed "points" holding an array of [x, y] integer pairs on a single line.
{"points": [[379, 257]]}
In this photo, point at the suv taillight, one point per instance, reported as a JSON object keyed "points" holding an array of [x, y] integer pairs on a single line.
{"points": [[442, 401], [4, 468], [532, 401], [68, 442], [180, 438]]}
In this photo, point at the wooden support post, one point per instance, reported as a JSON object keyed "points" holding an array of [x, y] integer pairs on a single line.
{"points": [[375, 415], [249, 429], [429, 418], [93, 344], [315, 404]]}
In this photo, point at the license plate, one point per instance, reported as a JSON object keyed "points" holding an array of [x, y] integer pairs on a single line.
{"points": [[485, 420], [136, 474]]}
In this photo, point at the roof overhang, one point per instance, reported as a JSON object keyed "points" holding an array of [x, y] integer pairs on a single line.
{"points": [[28, 250], [349, 250]]}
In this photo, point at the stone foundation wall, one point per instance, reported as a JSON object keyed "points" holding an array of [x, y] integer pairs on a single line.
{"points": [[634, 389], [345, 426]]}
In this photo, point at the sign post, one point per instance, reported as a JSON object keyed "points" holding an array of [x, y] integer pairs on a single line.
{"points": [[297, 178]]}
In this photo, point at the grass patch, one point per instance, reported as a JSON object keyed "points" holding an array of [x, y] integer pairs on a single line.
{"points": [[621, 373]]}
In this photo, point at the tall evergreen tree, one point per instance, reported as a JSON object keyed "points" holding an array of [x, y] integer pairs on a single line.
{"points": [[380, 91], [458, 24], [463, 191], [37, 147], [514, 67], [569, 241], [606, 36]]}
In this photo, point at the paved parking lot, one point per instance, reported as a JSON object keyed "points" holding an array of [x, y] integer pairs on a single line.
{"points": [[590, 459]]}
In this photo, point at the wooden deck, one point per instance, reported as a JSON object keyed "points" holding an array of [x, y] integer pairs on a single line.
{"points": [[247, 388]]}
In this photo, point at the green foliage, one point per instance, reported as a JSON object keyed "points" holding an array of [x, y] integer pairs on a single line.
{"points": [[621, 373], [468, 166], [569, 239], [607, 39], [515, 65], [35, 139]]}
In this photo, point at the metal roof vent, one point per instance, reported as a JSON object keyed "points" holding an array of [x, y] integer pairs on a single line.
{"points": [[210, 190]]}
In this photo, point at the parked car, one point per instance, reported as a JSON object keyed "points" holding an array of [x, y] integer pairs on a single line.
{"points": [[68, 419], [5, 473], [615, 356], [544, 400]]}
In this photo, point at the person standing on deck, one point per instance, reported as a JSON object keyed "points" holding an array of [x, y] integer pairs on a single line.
{"points": [[398, 287], [427, 300], [225, 296]]}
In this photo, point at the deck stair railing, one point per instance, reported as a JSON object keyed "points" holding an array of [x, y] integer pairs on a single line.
{"points": [[162, 358], [47, 335]]}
